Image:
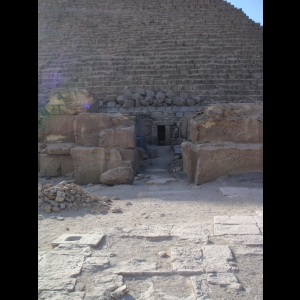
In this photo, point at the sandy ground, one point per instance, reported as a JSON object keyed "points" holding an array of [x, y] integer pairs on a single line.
{"points": [[177, 203]]}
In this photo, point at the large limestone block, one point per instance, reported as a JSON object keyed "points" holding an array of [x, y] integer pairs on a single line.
{"points": [[71, 102], [59, 148], [89, 125], [230, 122], [120, 137], [66, 164], [205, 162], [120, 175], [57, 129], [132, 155], [50, 165], [89, 163]]}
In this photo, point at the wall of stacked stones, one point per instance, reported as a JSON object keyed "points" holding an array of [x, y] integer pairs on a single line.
{"points": [[200, 50]]}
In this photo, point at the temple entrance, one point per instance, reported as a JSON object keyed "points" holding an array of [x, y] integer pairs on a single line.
{"points": [[161, 135]]}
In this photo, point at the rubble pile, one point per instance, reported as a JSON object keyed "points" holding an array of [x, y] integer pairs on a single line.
{"points": [[65, 196]]}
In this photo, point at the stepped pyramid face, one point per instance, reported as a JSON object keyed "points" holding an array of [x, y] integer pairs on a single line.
{"points": [[202, 47]]}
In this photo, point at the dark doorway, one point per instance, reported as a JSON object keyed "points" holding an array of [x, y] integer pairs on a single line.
{"points": [[161, 135]]}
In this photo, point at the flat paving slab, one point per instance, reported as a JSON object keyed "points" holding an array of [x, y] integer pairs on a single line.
{"points": [[187, 258], [222, 229], [240, 219], [80, 239], [154, 230]]}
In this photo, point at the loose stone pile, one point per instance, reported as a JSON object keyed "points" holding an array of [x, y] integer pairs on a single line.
{"points": [[65, 196], [140, 97]]}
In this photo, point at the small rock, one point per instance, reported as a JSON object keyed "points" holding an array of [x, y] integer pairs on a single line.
{"points": [[60, 218], [140, 176], [59, 199], [40, 201], [116, 209], [115, 198], [162, 215], [162, 254], [55, 209], [47, 208], [67, 228], [128, 203], [40, 217], [119, 292], [53, 217]]}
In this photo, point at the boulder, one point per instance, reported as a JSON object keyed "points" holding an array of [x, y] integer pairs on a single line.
{"points": [[128, 93], [140, 91], [71, 102], [160, 96], [120, 175]]}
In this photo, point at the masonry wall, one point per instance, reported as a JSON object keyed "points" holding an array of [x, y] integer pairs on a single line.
{"points": [[204, 47]]}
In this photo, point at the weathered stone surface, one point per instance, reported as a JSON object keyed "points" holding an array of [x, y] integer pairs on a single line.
{"points": [[92, 240], [58, 284], [244, 250], [136, 265], [121, 137], [57, 129], [119, 292], [128, 103], [197, 231], [160, 96], [238, 219], [56, 266], [178, 101], [60, 295], [89, 163], [120, 175], [95, 264], [50, 165], [140, 91], [190, 102], [127, 93], [121, 99], [66, 164], [200, 287], [222, 279], [161, 181], [230, 122], [205, 162], [137, 96], [233, 191], [88, 126], [110, 98], [150, 93], [153, 230], [216, 257], [115, 160], [72, 249], [71, 102], [220, 229], [183, 95], [186, 258], [170, 94], [247, 240], [58, 148]]}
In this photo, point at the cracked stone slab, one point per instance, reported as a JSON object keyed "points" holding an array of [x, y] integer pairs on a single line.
{"points": [[135, 266], [55, 295], [73, 249], [153, 230], [57, 266], [57, 284], [200, 287], [256, 191], [233, 191], [224, 279], [216, 257], [95, 264], [234, 220], [197, 232], [81, 239], [247, 240], [187, 258], [161, 181], [241, 250], [259, 219], [103, 285], [222, 229]]}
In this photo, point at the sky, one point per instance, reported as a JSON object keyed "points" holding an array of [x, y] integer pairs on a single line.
{"points": [[252, 8]]}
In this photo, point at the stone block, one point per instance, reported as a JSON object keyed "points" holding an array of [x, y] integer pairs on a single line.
{"points": [[66, 164], [59, 148], [205, 162], [119, 175], [50, 165], [57, 129], [119, 137], [230, 122], [88, 126]]}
